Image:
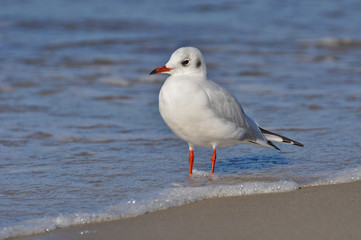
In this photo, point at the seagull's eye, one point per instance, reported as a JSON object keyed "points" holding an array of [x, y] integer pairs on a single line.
{"points": [[185, 62]]}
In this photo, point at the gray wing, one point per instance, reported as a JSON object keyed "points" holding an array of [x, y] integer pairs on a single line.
{"points": [[227, 107]]}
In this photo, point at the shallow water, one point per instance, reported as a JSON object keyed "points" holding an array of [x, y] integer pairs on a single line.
{"points": [[81, 138]]}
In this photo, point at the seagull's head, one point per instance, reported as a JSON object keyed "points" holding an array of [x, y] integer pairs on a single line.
{"points": [[184, 61]]}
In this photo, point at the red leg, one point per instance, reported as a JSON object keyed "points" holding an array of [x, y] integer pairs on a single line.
{"points": [[191, 160], [213, 158]]}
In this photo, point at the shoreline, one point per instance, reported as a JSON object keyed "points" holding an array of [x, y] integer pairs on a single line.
{"points": [[315, 212]]}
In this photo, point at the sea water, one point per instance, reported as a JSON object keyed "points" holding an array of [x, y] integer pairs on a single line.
{"points": [[81, 139]]}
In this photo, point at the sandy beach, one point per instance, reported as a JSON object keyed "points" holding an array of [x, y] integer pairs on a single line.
{"points": [[321, 212]]}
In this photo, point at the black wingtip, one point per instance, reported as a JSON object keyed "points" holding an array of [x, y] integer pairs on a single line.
{"points": [[298, 144], [284, 139], [271, 144]]}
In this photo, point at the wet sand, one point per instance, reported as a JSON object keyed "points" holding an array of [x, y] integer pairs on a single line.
{"points": [[321, 212]]}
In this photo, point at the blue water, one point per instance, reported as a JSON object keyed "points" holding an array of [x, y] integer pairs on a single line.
{"points": [[81, 139]]}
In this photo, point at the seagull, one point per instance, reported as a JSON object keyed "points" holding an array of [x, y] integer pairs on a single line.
{"points": [[204, 114]]}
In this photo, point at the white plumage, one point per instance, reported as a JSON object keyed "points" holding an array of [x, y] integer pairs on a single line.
{"points": [[201, 112]]}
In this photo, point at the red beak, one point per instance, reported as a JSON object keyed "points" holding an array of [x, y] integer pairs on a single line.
{"points": [[160, 70]]}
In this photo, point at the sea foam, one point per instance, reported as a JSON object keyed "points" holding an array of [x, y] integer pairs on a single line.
{"points": [[343, 176], [177, 195]]}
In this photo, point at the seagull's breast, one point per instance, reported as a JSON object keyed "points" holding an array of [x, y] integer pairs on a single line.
{"points": [[185, 108]]}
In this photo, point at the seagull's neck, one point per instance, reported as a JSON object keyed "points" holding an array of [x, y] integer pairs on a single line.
{"points": [[196, 76]]}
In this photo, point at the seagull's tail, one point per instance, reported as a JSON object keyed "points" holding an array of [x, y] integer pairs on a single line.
{"points": [[270, 136]]}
